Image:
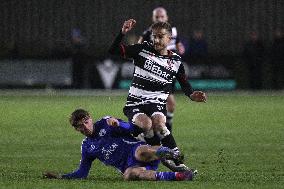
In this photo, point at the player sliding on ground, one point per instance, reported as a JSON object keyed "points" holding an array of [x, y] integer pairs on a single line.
{"points": [[155, 70], [109, 140]]}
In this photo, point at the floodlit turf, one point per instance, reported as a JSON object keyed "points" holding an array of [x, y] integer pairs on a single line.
{"points": [[234, 141]]}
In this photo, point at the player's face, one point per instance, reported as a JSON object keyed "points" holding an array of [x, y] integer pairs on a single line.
{"points": [[85, 126], [160, 16], [161, 39]]}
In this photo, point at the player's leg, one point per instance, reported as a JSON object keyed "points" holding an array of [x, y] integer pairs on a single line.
{"points": [[167, 139], [171, 105], [159, 126], [142, 123], [140, 173], [147, 153]]}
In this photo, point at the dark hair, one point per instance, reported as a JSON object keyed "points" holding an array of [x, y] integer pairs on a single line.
{"points": [[162, 25], [77, 116]]}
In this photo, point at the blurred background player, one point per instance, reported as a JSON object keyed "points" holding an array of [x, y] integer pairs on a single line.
{"points": [[160, 15], [254, 58], [79, 58], [277, 59], [110, 141]]}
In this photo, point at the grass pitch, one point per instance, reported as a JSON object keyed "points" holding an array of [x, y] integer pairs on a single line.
{"points": [[235, 141]]}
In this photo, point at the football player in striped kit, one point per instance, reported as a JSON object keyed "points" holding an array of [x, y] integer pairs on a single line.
{"points": [[155, 69], [160, 15]]}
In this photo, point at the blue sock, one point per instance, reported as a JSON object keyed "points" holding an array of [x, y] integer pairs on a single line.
{"points": [[160, 151], [165, 175]]}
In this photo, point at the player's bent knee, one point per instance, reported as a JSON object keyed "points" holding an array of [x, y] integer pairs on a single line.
{"points": [[144, 122], [147, 125], [127, 174], [158, 127], [132, 174], [158, 121], [143, 153]]}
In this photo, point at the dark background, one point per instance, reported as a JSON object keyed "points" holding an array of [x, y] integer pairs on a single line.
{"points": [[41, 28]]}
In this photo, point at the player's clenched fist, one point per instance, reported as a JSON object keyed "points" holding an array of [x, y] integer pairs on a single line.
{"points": [[198, 96], [128, 25], [113, 122]]}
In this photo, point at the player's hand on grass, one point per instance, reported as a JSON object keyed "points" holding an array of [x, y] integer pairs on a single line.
{"points": [[198, 96], [128, 25], [113, 122], [50, 175]]}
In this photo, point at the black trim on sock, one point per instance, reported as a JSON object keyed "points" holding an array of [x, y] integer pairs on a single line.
{"points": [[169, 126], [169, 141], [154, 141], [137, 130]]}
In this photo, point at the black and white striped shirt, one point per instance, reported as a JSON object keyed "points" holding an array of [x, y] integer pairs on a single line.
{"points": [[153, 75]]}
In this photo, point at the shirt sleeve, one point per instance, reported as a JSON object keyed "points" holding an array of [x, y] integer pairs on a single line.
{"points": [[185, 85], [125, 51], [146, 36], [84, 168], [124, 128]]}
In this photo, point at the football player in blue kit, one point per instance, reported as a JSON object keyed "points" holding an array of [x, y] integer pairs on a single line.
{"points": [[110, 141]]}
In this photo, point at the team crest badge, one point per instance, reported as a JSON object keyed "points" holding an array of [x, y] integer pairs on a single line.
{"points": [[102, 132], [170, 64]]}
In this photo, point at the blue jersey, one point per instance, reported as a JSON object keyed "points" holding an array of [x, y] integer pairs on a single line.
{"points": [[114, 146]]}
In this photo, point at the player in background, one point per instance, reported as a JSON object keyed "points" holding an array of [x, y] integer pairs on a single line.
{"points": [[109, 140], [160, 15], [155, 69]]}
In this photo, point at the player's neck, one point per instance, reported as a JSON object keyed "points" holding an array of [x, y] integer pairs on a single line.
{"points": [[163, 52]]}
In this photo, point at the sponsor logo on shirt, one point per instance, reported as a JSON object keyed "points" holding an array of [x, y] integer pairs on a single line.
{"points": [[155, 69], [108, 150]]}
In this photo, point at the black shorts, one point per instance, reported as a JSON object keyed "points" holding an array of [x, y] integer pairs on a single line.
{"points": [[131, 112]]}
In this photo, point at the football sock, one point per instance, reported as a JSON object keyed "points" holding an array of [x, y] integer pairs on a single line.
{"points": [[169, 141], [165, 176], [167, 138], [153, 141], [149, 134], [150, 138], [136, 130], [162, 151], [169, 122]]}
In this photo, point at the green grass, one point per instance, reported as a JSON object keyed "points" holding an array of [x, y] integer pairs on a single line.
{"points": [[234, 141]]}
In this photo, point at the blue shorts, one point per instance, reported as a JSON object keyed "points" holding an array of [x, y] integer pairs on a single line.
{"points": [[133, 162]]}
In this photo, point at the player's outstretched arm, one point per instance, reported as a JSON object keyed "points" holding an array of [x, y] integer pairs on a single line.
{"points": [[112, 122], [120, 127], [197, 96], [125, 51], [116, 48], [81, 173], [127, 26]]}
